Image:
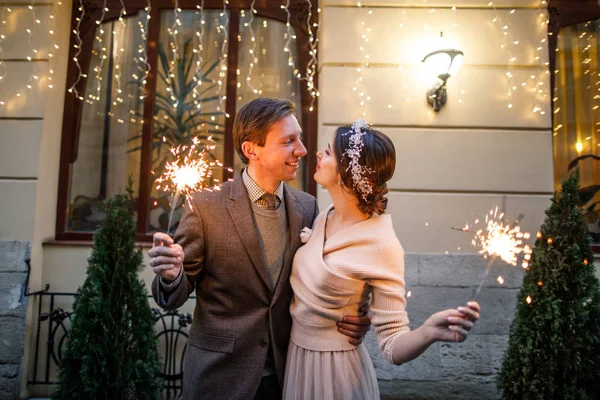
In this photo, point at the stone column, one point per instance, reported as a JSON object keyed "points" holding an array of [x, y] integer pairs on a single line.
{"points": [[13, 306]]}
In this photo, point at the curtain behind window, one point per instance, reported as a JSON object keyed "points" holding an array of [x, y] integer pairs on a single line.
{"points": [[577, 113]]}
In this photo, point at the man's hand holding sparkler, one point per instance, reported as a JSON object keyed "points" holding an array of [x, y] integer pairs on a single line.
{"points": [[166, 257]]}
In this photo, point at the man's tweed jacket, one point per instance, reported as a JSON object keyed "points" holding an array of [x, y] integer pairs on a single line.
{"points": [[236, 316]]}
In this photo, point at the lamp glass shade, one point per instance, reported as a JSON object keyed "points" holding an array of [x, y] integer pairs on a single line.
{"points": [[456, 64], [444, 58], [438, 64]]}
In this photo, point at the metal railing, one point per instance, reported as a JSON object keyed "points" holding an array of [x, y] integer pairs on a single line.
{"points": [[53, 322]]}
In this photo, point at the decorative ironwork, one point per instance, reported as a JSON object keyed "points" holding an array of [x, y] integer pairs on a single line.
{"points": [[52, 332]]}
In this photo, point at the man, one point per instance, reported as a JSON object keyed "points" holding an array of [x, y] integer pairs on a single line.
{"points": [[235, 247]]}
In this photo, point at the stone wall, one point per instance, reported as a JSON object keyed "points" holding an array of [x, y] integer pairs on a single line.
{"points": [[13, 275], [448, 371]]}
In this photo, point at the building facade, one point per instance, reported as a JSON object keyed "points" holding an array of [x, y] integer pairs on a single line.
{"points": [[490, 146]]}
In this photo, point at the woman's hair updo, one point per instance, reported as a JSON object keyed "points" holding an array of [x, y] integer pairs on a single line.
{"points": [[376, 159]]}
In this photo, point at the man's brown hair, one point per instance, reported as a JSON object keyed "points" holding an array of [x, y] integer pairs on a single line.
{"points": [[254, 120]]}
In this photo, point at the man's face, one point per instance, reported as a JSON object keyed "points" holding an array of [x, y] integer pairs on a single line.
{"points": [[278, 158]]}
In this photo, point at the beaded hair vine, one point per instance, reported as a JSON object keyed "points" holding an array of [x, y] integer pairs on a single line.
{"points": [[353, 152]]}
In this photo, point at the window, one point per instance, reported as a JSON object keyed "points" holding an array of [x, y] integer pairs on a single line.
{"points": [[122, 130], [575, 61]]}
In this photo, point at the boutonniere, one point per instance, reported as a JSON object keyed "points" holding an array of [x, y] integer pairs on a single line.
{"points": [[305, 234]]}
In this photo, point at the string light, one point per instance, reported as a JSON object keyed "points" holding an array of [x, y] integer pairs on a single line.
{"points": [[173, 31], [311, 66], [539, 89], [542, 62], [252, 50], [2, 37], [77, 32], [53, 46], [508, 42], [222, 69], [98, 39], [34, 51], [142, 50], [120, 50], [360, 87], [288, 36], [198, 52], [263, 53]]}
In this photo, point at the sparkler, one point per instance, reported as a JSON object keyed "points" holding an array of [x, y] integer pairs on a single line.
{"points": [[189, 172], [499, 239]]}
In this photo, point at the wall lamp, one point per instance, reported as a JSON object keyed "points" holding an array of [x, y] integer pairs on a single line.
{"points": [[443, 62]]}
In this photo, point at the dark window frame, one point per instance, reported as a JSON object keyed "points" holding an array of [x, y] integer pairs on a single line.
{"points": [[299, 10], [563, 13]]}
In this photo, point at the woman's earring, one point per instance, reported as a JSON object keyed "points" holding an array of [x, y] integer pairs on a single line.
{"points": [[339, 182]]}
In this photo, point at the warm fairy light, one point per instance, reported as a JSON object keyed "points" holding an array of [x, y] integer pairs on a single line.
{"points": [[311, 66], [288, 36], [537, 89], [33, 50], [409, 294], [579, 147], [585, 261], [2, 37], [538, 235], [528, 299], [540, 283], [222, 68], [198, 49], [143, 58], [77, 33], [359, 87], [173, 30], [119, 50], [550, 240], [53, 45], [252, 50], [500, 279], [102, 55]]}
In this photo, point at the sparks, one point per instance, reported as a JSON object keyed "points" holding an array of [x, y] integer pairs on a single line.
{"points": [[501, 239], [190, 172]]}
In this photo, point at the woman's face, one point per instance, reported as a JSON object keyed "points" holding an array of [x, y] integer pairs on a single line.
{"points": [[327, 174]]}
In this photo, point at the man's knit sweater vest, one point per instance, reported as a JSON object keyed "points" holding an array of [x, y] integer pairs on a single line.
{"points": [[273, 233], [272, 227]]}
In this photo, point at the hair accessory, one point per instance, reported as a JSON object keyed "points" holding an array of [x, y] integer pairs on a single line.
{"points": [[361, 183]]}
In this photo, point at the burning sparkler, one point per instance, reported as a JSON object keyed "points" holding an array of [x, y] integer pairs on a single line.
{"points": [[190, 172], [499, 240]]}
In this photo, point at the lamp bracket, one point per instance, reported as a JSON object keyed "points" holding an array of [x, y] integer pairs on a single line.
{"points": [[437, 95]]}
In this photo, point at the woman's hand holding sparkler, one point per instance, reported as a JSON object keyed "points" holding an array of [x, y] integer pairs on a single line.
{"points": [[166, 257], [452, 325]]}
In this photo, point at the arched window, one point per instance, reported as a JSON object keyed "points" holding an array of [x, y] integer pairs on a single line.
{"points": [[574, 43], [204, 63]]}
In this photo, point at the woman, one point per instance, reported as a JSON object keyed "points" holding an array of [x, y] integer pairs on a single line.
{"points": [[353, 255]]}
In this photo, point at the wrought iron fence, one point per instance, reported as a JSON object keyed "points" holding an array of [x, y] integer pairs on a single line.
{"points": [[53, 321]]}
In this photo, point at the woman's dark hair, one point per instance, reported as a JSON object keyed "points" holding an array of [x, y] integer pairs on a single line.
{"points": [[378, 157]]}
